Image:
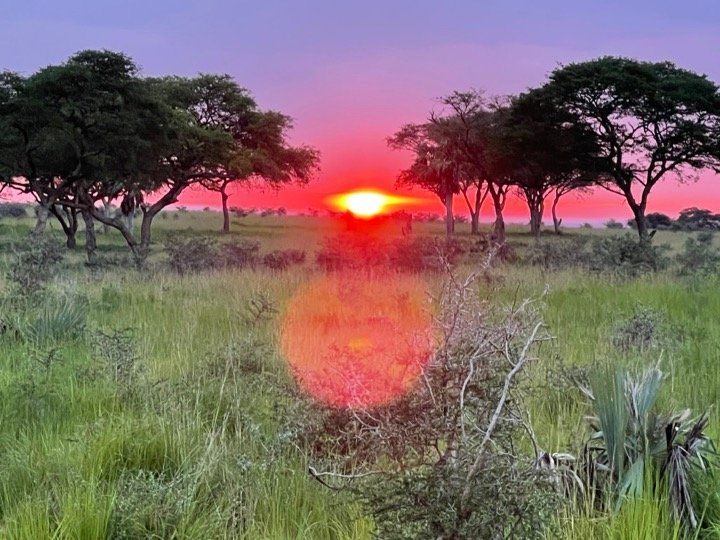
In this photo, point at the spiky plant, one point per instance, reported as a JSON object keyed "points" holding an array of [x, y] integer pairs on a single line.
{"points": [[635, 447]]}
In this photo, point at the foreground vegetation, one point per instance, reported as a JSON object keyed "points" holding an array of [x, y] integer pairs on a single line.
{"points": [[157, 403]]}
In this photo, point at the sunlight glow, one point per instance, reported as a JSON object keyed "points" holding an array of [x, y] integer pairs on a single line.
{"points": [[369, 203]]}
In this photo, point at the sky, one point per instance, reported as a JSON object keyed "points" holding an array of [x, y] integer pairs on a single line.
{"points": [[351, 73]]}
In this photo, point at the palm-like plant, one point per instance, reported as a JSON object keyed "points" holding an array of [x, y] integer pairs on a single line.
{"points": [[634, 447]]}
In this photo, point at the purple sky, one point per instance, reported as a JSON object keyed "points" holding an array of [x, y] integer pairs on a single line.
{"points": [[350, 73]]}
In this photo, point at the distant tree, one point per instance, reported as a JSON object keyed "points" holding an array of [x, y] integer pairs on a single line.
{"points": [[545, 150], [261, 151], [695, 219], [435, 166], [652, 120], [613, 224]]}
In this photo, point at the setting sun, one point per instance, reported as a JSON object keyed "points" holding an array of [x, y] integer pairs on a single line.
{"points": [[368, 203]]}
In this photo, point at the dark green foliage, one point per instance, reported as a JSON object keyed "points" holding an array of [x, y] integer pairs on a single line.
{"points": [[613, 224], [34, 265], [697, 219], [189, 255], [623, 256], [558, 254], [635, 447], [698, 257], [283, 259], [643, 330], [13, 210], [239, 254]]}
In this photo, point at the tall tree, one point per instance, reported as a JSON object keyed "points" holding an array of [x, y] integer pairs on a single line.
{"points": [[652, 120], [261, 150], [545, 150], [435, 166]]}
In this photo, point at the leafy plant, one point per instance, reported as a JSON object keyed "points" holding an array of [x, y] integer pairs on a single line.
{"points": [[634, 447]]}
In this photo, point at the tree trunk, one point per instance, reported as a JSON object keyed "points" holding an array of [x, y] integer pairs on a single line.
{"points": [[556, 222], [641, 223], [475, 214], [449, 216], [226, 211], [498, 197], [43, 211], [107, 207], [90, 240]]}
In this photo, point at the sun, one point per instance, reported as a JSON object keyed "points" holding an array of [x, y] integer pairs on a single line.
{"points": [[368, 203]]}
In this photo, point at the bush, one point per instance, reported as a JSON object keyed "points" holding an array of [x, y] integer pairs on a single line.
{"points": [[613, 224], [443, 460], [558, 254], [188, 255], [239, 255], [33, 266], [624, 256], [13, 210], [641, 331], [698, 256], [283, 259], [698, 219]]}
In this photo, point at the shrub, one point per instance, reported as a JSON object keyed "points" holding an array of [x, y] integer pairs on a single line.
{"points": [[637, 448], [698, 256], [624, 256], [34, 265], [188, 255], [240, 254], [697, 219], [443, 460], [283, 259], [613, 224], [643, 330], [558, 254], [13, 210]]}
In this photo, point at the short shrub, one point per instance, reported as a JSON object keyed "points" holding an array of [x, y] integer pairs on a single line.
{"points": [[34, 265], [698, 256], [13, 210], [613, 224], [240, 254], [558, 254], [283, 259], [188, 255], [624, 256], [642, 331]]}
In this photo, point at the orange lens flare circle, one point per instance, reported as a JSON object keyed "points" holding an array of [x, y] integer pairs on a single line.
{"points": [[356, 341]]}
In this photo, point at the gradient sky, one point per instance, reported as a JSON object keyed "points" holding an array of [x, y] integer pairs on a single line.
{"points": [[350, 73]]}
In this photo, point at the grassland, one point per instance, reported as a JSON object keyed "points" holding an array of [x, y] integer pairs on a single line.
{"points": [[180, 442]]}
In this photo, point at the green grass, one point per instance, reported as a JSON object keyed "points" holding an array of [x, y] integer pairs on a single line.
{"points": [[189, 451]]}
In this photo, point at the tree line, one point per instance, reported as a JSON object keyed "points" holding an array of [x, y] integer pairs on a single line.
{"points": [[619, 124], [82, 134]]}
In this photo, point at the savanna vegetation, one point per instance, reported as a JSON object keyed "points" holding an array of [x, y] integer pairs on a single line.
{"points": [[558, 385]]}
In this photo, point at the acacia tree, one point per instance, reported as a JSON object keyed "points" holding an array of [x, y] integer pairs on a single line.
{"points": [[435, 166], [72, 124], [652, 120], [34, 146], [260, 137], [545, 150]]}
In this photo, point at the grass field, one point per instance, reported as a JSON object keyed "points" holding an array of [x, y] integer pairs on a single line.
{"points": [[143, 426]]}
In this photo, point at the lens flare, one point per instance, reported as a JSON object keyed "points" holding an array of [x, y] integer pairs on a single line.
{"points": [[369, 203], [355, 341]]}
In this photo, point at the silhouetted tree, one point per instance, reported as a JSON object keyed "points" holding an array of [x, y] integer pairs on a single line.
{"points": [[651, 119]]}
